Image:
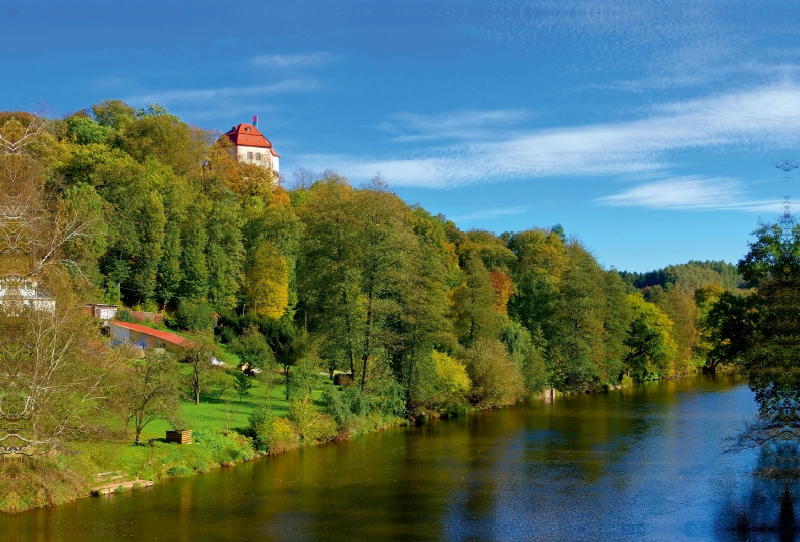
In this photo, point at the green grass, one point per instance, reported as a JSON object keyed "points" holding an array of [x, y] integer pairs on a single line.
{"points": [[218, 413]]}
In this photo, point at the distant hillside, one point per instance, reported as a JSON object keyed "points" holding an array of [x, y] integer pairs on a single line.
{"points": [[688, 276]]}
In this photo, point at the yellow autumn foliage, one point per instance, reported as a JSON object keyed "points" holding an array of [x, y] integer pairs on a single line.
{"points": [[267, 282]]}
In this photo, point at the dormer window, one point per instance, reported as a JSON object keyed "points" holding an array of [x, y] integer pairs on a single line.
{"points": [[247, 129]]}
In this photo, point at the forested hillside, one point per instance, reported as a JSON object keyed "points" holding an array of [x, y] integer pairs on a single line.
{"points": [[353, 279], [423, 316], [293, 289], [688, 276]]}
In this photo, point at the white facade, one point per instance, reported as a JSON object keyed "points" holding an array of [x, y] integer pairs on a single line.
{"points": [[258, 156], [17, 293]]}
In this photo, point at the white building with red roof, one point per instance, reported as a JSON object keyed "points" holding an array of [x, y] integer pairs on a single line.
{"points": [[250, 146]]}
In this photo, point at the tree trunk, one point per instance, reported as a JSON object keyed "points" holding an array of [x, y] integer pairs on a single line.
{"points": [[367, 342]]}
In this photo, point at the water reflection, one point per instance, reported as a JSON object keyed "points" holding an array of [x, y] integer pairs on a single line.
{"points": [[644, 463], [763, 511]]}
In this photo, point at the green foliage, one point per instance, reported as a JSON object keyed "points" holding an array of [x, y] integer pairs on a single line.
{"points": [[303, 378], [528, 354], [253, 349], [242, 384], [86, 130], [311, 424], [273, 434], [335, 405], [652, 349], [496, 379], [192, 316], [473, 304], [449, 383], [688, 277], [230, 447]]}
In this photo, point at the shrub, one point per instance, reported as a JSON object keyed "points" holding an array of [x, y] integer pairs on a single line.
{"points": [[311, 424], [496, 379], [193, 316], [178, 471], [451, 382], [272, 434], [335, 405], [230, 447]]}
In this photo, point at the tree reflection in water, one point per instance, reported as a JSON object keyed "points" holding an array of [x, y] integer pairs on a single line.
{"points": [[764, 332]]}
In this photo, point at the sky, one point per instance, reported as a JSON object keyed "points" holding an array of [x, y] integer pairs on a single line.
{"points": [[649, 129]]}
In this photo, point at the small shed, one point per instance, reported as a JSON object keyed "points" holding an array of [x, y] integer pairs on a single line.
{"points": [[101, 311]]}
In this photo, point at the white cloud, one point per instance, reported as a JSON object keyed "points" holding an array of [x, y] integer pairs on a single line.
{"points": [[491, 213], [465, 124], [762, 118], [692, 193], [294, 61], [183, 96]]}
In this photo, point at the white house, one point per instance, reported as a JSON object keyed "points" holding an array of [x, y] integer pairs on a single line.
{"points": [[17, 292], [252, 147]]}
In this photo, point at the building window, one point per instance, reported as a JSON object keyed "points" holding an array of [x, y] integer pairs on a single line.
{"points": [[258, 156], [249, 155]]}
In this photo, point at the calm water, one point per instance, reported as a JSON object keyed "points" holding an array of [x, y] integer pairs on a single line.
{"points": [[643, 464]]}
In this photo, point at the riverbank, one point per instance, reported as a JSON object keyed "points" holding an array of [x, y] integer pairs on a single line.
{"points": [[221, 439], [510, 474]]}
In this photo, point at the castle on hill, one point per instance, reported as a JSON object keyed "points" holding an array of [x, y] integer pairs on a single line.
{"points": [[250, 146]]}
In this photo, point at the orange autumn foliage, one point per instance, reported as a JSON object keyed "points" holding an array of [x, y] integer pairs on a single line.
{"points": [[501, 284]]}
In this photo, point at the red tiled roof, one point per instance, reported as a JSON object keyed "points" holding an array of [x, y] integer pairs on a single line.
{"points": [[165, 336], [247, 134]]}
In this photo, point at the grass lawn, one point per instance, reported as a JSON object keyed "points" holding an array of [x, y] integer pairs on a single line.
{"points": [[218, 413]]}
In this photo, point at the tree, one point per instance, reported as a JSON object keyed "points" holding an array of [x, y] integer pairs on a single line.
{"points": [[385, 242], [242, 384], [474, 303], [328, 277], [253, 349], [651, 353], [575, 329], [496, 379], [198, 356], [149, 389], [267, 282], [53, 375], [537, 272], [762, 333]]}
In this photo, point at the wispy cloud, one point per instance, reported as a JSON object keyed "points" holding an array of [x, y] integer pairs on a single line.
{"points": [[465, 124], [192, 96], [306, 60], [692, 193], [634, 21], [490, 213], [761, 118]]}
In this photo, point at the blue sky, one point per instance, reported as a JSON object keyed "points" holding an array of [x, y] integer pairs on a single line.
{"points": [[647, 128]]}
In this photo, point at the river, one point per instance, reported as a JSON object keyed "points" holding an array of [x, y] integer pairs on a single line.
{"points": [[636, 464]]}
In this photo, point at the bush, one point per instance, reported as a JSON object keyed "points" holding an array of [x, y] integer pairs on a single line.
{"points": [[178, 471], [496, 379], [451, 382], [230, 447], [193, 316], [272, 434], [311, 424], [335, 405], [357, 401]]}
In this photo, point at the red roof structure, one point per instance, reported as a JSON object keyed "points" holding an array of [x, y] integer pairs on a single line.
{"points": [[165, 336], [249, 136]]}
